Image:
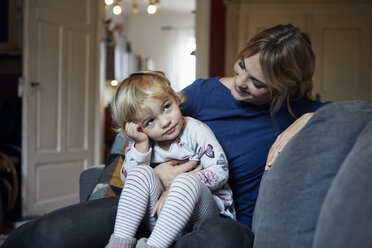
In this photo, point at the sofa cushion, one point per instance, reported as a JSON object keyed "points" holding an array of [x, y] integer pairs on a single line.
{"points": [[110, 183], [347, 209], [213, 233], [292, 192]]}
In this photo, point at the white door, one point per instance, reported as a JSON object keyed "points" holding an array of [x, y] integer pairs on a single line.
{"points": [[342, 45], [59, 68]]}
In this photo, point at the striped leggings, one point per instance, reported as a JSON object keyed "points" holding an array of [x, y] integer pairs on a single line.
{"points": [[188, 199]]}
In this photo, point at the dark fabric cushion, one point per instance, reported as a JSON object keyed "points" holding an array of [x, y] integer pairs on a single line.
{"points": [[110, 183], [292, 192], [88, 180], [345, 219], [217, 233], [87, 224]]}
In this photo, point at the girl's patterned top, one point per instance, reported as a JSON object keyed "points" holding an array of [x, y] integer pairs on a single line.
{"points": [[195, 142]]}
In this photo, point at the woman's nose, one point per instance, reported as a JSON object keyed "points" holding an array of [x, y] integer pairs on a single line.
{"points": [[240, 83]]}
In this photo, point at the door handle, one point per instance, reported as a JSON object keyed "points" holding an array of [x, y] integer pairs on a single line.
{"points": [[35, 84]]}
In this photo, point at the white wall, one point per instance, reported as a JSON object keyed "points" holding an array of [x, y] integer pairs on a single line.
{"points": [[149, 39], [202, 30]]}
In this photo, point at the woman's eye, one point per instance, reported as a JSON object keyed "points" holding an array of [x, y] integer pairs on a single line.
{"points": [[258, 85], [241, 64]]}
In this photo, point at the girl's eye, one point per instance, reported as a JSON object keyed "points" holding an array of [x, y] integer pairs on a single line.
{"points": [[166, 107], [149, 122]]}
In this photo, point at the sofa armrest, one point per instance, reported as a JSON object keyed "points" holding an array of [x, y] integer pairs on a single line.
{"points": [[88, 180]]}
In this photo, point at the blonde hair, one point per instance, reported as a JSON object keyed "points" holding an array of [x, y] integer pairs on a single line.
{"points": [[287, 61], [133, 91]]}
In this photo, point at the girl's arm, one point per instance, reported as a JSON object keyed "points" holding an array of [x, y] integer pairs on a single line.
{"points": [[138, 151], [208, 150], [133, 158]]}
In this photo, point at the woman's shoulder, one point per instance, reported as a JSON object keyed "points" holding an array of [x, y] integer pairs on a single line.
{"points": [[306, 105], [228, 82], [203, 83], [204, 87], [202, 96]]}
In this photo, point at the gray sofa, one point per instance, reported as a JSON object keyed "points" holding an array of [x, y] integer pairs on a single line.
{"points": [[318, 192]]}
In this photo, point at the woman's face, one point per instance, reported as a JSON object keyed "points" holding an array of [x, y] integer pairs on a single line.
{"points": [[249, 82]]}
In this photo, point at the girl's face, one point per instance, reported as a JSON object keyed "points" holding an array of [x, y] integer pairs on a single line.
{"points": [[249, 82], [161, 119]]}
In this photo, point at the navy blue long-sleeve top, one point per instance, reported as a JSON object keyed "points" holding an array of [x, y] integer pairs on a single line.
{"points": [[246, 133]]}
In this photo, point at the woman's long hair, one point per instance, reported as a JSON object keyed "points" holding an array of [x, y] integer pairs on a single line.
{"points": [[287, 61]]}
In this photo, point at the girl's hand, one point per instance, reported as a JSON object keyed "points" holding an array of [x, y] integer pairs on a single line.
{"points": [[159, 204], [134, 131], [168, 171], [284, 137]]}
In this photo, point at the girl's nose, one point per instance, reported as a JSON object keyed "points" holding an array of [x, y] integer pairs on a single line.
{"points": [[164, 122]]}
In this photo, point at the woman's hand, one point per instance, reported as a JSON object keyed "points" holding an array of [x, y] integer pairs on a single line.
{"points": [[284, 137], [168, 171], [159, 204]]}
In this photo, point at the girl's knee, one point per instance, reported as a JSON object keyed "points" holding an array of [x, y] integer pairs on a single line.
{"points": [[143, 178], [142, 173], [142, 170], [186, 181]]}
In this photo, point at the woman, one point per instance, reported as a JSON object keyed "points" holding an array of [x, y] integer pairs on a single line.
{"points": [[270, 89]]}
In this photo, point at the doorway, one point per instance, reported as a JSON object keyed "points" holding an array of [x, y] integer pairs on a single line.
{"points": [[10, 112]]}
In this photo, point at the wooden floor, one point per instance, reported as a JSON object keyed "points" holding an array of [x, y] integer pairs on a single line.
{"points": [[5, 231]]}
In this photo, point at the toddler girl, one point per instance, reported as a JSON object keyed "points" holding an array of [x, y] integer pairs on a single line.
{"points": [[146, 108]]}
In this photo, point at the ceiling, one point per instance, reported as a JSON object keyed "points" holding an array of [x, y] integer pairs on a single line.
{"points": [[165, 6]]}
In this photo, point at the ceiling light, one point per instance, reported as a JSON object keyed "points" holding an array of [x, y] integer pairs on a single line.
{"points": [[109, 2], [151, 9], [116, 9], [114, 83]]}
